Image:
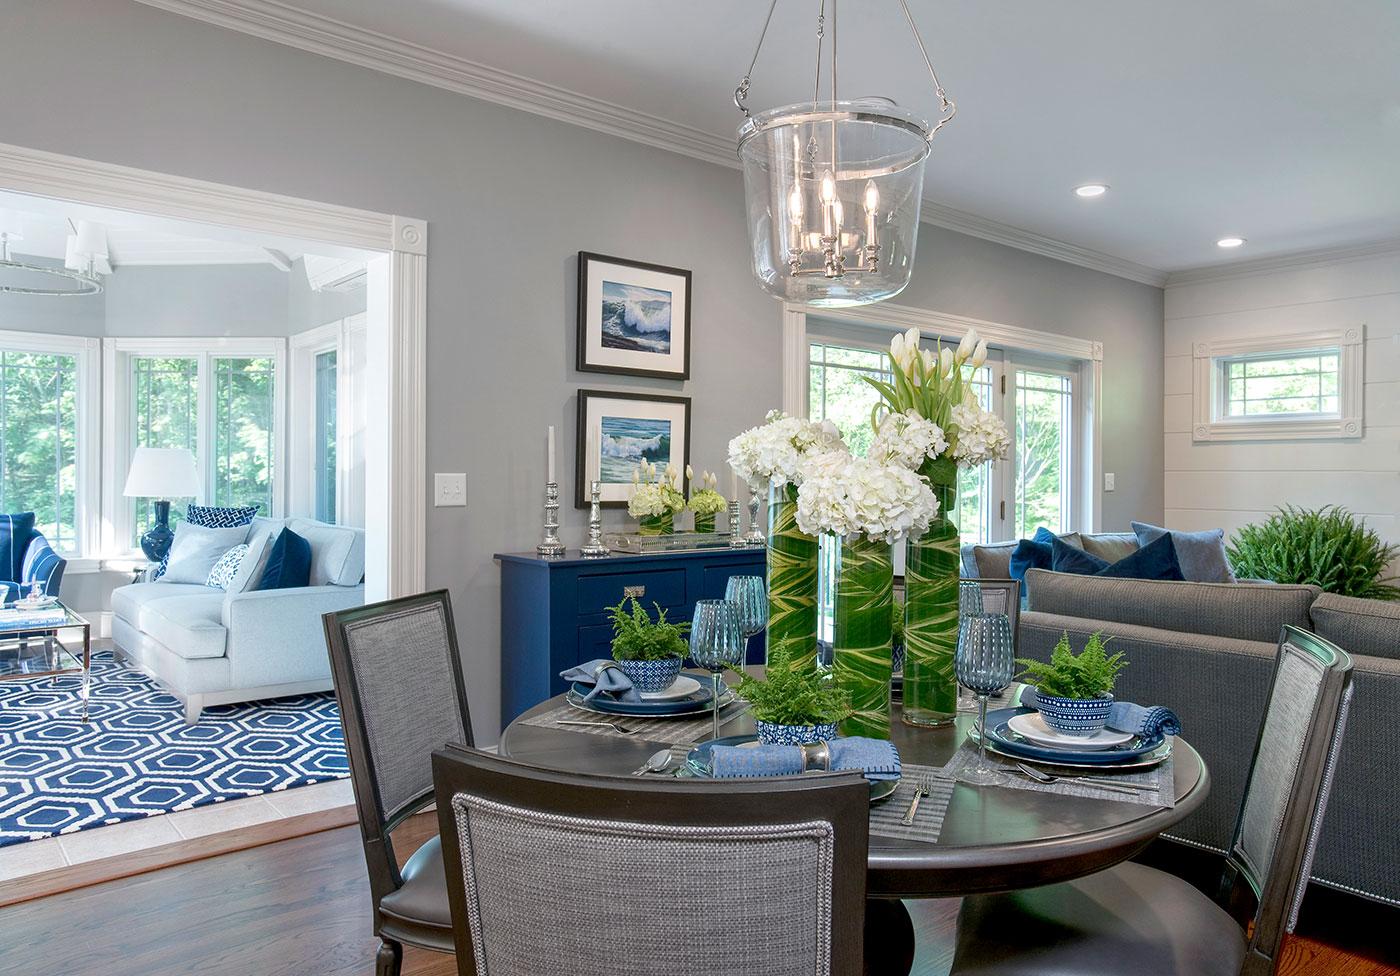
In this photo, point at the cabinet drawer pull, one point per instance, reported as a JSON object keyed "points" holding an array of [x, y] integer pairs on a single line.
{"points": [[635, 592]]}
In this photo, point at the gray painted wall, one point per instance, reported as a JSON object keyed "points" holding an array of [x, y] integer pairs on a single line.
{"points": [[80, 315], [240, 300], [511, 198]]}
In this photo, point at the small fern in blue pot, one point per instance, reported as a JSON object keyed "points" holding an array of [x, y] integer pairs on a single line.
{"points": [[649, 652], [795, 703], [1074, 692]]}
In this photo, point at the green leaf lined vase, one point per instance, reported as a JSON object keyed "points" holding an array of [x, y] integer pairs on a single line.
{"points": [[931, 609], [792, 578], [862, 653], [657, 524]]}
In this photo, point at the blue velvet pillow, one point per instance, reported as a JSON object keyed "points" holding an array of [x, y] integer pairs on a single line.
{"points": [[1065, 558], [288, 563], [1028, 555], [15, 532], [1154, 561]]}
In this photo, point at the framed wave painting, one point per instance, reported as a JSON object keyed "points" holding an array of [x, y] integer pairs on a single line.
{"points": [[633, 318], [618, 431]]}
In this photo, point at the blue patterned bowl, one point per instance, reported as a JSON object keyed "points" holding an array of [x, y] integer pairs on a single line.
{"points": [[773, 734], [1074, 716], [652, 675]]}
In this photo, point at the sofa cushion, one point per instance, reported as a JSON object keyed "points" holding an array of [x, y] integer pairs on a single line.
{"points": [[1358, 626], [337, 551], [1240, 610], [992, 561], [1201, 554], [188, 626], [1155, 561], [196, 549], [128, 601], [1065, 558], [1109, 546], [211, 517], [250, 569], [288, 562]]}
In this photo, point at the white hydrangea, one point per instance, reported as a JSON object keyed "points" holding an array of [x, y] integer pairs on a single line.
{"points": [[980, 435], [773, 453], [907, 439], [862, 496]]}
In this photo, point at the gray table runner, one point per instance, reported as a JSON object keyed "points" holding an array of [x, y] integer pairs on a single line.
{"points": [[664, 730], [885, 816], [1159, 779]]}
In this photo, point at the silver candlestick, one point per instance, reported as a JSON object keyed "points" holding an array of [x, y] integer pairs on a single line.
{"points": [[736, 527], [756, 535], [595, 545], [551, 546]]}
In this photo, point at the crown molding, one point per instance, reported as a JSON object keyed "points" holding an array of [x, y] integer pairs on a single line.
{"points": [[282, 23], [1284, 262]]}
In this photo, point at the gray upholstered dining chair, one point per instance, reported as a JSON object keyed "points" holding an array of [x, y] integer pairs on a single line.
{"points": [[398, 680], [560, 874], [1134, 919]]}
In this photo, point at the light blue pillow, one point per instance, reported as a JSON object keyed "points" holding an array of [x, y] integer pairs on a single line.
{"points": [[227, 567], [1201, 554], [196, 549]]}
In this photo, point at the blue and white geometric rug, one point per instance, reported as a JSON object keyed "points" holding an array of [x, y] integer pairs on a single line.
{"points": [[137, 757]]}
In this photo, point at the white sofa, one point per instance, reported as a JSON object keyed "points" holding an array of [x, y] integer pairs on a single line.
{"points": [[211, 647]]}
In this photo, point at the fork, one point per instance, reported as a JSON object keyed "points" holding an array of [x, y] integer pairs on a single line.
{"points": [[922, 788], [619, 729], [1040, 776]]}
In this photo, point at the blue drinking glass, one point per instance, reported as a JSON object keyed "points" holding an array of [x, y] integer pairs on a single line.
{"points": [[986, 663], [716, 643]]}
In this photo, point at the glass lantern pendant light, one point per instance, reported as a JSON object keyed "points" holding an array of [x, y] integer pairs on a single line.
{"points": [[833, 187]]}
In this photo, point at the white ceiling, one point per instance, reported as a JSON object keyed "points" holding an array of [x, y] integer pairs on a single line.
{"points": [[1274, 120]]}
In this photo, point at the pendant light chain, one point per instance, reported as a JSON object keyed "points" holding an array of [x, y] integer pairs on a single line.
{"points": [[949, 105], [742, 92]]}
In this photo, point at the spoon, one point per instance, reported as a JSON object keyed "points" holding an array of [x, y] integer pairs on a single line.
{"points": [[659, 761], [1043, 777]]}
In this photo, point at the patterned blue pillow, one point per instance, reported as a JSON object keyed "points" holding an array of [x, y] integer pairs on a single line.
{"points": [[227, 567], [213, 518]]}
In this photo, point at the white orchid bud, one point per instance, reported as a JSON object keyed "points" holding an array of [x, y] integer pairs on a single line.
{"points": [[969, 343], [979, 355]]}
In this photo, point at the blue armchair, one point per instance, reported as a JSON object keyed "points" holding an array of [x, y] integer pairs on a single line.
{"points": [[27, 557]]}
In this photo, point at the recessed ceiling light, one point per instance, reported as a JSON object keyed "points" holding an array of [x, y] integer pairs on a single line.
{"points": [[1229, 242], [1091, 190]]}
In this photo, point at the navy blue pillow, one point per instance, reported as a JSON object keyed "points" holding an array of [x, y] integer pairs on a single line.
{"points": [[1065, 558], [1028, 555], [288, 563], [15, 532], [1154, 561]]}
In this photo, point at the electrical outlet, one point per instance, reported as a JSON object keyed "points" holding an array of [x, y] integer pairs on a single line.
{"points": [[1108, 481], [449, 490]]}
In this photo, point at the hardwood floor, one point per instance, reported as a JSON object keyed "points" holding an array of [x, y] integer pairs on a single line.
{"points": [[301, 908]]}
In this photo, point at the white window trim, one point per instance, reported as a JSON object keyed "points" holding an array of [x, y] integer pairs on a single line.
{"points": [[346, 337], [1012, 339], [87, 351], [117, 434], [1210, 422]]}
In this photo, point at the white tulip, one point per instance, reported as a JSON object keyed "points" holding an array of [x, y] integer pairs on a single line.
{"points": [[945, 360], [930, 360], [969, 343], [689, 473], [979, 355]]}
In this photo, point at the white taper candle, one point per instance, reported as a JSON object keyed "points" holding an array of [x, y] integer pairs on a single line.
{"points": [[550, 476]]}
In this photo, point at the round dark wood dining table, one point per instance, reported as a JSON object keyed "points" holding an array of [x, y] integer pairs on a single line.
{"points": [[993, 838]]}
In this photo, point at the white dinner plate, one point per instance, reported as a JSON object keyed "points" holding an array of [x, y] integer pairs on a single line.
{"points": [[684, 685], [1032, 726]]}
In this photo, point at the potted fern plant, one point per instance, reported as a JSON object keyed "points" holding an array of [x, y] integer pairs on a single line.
{"points": [[1074, 692], [649, 652], [794, 704]]}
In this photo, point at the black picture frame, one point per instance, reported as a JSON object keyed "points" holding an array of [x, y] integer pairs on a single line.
{"points": [[587, 399], [593, 356]]}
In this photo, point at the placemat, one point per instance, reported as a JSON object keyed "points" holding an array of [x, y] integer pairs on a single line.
{"points": [[665, 730], [1159, 780], [885, 816]]}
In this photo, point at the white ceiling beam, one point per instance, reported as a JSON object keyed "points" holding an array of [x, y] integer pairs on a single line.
{"points": [[277, 259]]}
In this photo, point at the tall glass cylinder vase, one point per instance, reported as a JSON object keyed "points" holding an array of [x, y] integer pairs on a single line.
{"points": [[931, 608], [862, 653], [792, 577]]}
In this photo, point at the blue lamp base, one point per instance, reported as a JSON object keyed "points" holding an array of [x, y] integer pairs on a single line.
{"points": [[156, 542]]}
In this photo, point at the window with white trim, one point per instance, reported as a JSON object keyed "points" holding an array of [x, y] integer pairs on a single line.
{"points": [[38, 442], [838, 391], [1280, 387]]}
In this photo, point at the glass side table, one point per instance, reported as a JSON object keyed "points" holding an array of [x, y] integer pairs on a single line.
{"points": [[35, 650]]}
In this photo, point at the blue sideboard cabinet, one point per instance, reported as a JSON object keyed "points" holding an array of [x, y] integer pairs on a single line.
{"points": [[554, 612]]}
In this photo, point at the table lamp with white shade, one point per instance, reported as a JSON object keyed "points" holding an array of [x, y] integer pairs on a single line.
{"points": [[161, 473]]}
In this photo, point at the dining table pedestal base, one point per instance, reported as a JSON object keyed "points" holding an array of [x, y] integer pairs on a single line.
{"points": [[889, 938]]}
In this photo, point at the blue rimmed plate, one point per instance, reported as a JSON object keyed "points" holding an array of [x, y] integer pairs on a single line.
{"points": [[1137, 752], [699, 700], [698, 765]]}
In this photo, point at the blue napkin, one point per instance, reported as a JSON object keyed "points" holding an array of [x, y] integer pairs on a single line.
{"points": [[876, 758], [605, 677], [1147, 721]]}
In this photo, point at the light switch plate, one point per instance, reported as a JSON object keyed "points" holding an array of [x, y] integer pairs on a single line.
{"points": [[449, 490], [1108, 481]]}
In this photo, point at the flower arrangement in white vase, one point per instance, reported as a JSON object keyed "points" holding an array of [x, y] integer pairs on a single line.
{"points": [[872, 504], [655, 498], [774, 454], [707, 502], [930, 419]]}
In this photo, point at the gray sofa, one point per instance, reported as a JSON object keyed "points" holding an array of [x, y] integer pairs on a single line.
{"points": [[1207, 650], [211, 647]]}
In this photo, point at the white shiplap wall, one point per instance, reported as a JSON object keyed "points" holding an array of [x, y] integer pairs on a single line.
{"points": [[1230, 484]]}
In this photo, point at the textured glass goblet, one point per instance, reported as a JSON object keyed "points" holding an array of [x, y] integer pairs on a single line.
{"points": [[750, 598], [986, 662], [969, 602], [716, 643]]}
